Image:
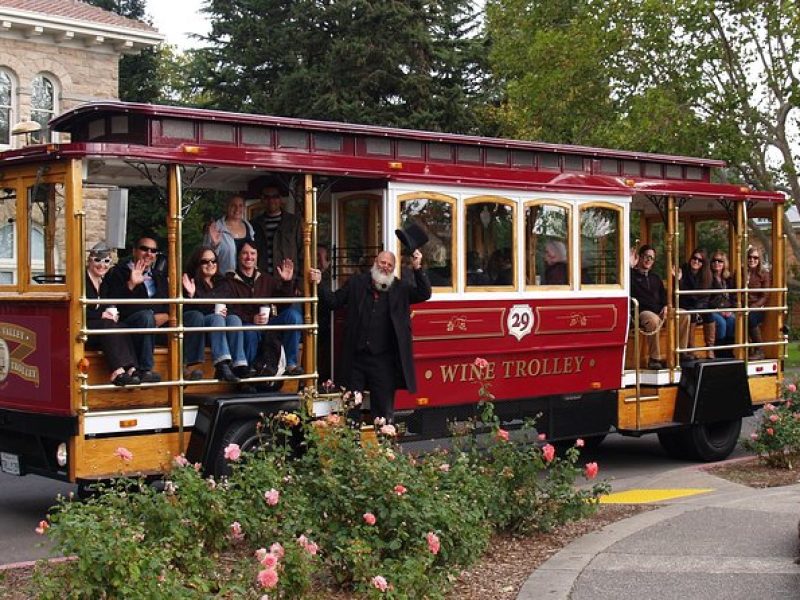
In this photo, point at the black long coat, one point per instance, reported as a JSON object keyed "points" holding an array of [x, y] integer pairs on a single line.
{"points": [[402, 294]]}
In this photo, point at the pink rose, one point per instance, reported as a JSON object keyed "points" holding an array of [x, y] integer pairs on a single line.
{"points": [[369, 518], [769, 407], [433, 542], [770, 431], [232, 452], [773, 418], [792, 388], [277, 550], [260, 554], [180, 460], [444, 467], [270, 561], [481, 363], [548, 452], [502, 435], [389, 430], [591, 469], [267, 578], [43, 526], [753, 436], [272, 497], [579, 443], [308, 545], [125, 454], [236, 530], [400, 489], [379, 582]]}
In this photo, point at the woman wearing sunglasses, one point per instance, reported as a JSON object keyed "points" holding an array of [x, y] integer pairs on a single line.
{"points": [[757, 277], [202, 280], [694, 275], [117, 347], [724, 320]]}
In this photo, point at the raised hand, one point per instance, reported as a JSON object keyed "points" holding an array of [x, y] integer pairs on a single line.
{"points": [[189, 285], [214, 233], [416, 259], [286, 269], [137, 273], [315, 275]]}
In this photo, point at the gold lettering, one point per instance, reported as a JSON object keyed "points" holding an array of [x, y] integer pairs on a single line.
{"points": [[475, 372], [546, 367], [568, 364], [520, 368], [578, 363], [490, 371], [448, 373], [534, 366], [507, 366]]}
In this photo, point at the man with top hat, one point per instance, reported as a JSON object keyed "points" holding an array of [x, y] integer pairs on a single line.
{"points": [[376, 353], [137, 279]]}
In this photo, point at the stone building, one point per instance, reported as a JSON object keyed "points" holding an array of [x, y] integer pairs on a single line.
{"points": [[56, 54]]}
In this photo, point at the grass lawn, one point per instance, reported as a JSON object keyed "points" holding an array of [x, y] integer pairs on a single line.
{"points": [[794, 355]]}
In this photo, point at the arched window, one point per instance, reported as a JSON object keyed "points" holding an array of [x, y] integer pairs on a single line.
{"points": [[490, 243], [43, 105], [601, 245], [547, 244], [6, 114], [433, 213]]}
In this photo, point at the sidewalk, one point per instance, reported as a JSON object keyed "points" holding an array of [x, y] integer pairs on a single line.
{"points": [[730, 543]]}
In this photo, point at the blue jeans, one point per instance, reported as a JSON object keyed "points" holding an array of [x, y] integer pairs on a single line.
{"points": [[756, 319], [725, 327], [289, 315], [142, 344], [227, 345]]}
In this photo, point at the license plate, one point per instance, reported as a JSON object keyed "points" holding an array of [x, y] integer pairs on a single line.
{"points": [[9, 463]]}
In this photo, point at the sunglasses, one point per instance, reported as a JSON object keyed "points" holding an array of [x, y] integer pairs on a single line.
{"points": [[148, 249], [208, 261], [648, 257], [753, 258], [105, 261], [698, 259], [717, 260]]}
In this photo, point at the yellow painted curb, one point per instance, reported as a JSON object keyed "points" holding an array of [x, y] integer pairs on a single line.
{"points": [[644, 496]]}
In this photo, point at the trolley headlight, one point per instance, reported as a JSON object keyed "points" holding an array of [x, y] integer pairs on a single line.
{"points": [[61, 454]]}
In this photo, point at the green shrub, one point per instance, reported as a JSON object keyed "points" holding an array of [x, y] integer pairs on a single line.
{"points": [[776, 439]]}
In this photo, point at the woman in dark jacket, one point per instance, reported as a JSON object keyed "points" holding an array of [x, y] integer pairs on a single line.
{"points": [[117, 347], [694, 275], [202, 280], [757, 277], [724, 320]]}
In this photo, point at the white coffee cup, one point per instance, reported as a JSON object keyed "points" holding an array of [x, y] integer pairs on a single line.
{"points": [[264, 310], [219, 308], [113, 311]]}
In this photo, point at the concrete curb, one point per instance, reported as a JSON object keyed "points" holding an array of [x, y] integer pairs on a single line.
{"points": [[32, 563]]}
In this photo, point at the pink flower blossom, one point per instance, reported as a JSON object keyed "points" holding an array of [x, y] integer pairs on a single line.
{"points": [[125, 454], [400, 489], [180, 460], [591, 469], [267, 578], [260, 554], [579, 443], [369, 518], [358, 398], [232, 452], [308, 545], [769, 407], [753, 436], [792, 388], [389, 430], [433, 542], [770, 431], [542, 437], [548, 452], [43, 526], [481, 363], [236, 531], [773, 418], [270, 561], [272, 497], [502, 435], [379, 582], [277, 549], [444, 467]]}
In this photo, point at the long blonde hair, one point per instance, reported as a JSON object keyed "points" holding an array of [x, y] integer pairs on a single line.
{"points": [[726, 269]]}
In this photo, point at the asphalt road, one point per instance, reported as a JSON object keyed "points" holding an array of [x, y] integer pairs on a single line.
{"points": [[24, 501]]}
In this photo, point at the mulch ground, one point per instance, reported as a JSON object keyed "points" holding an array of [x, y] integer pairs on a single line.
{"points": [[753, 473]]}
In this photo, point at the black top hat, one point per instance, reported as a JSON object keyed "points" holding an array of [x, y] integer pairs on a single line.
{"points": [[412, 236]]}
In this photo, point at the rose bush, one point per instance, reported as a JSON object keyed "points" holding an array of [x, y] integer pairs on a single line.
{"points": [[366, 516], [776, 439]]}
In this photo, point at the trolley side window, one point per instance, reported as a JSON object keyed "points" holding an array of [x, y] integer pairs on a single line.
{"points": [[490, 257], [547, 251], [47, 233], [601, 245], [433, 213], [9, 237]]}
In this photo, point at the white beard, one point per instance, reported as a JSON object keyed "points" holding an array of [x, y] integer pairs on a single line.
{"points": [[380, 281]]}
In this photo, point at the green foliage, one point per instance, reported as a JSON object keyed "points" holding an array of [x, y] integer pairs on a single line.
{"points": [[776, 439], [350, 507]]}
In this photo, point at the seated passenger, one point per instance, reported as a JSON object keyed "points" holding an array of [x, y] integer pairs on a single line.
{"points": [[723, 321], [201, 280], [501, 268], [757, 277], [693, 275], [555, 260], [648, 289], [262, 348], [138, 279], [475, 274], [223, 234], [117, 347]]}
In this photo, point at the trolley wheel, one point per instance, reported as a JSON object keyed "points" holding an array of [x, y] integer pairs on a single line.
{"points": [[706, 442], [245, 434]]}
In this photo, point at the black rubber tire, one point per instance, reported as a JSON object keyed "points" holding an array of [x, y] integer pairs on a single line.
{"points": [[706, 442], [245, 434]]}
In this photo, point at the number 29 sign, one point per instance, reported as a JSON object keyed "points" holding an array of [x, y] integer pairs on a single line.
{"points": [[520, 320]]}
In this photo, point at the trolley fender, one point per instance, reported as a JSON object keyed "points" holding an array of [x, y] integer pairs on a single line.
{"points": [[712, 391]]}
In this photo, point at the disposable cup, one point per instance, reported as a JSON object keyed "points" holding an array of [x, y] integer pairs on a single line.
{"points": [[264, 310], [113, 310], [218, 308]]}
